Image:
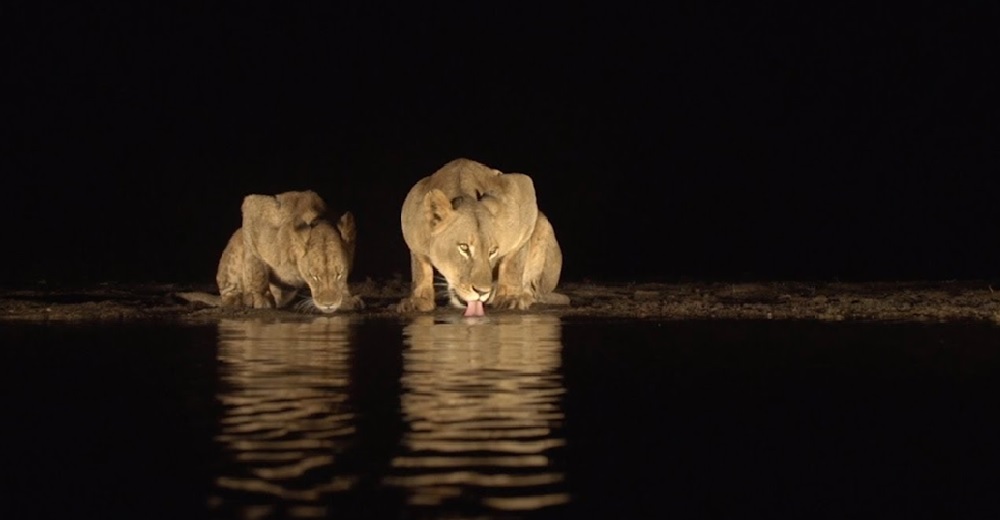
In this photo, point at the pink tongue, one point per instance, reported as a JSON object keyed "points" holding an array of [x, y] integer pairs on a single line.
{"points": [[475, 308]]}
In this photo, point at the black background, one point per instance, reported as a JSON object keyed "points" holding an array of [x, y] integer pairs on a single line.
{"points": [[707, 140]]}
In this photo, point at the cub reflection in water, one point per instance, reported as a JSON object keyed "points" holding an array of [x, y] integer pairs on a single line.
{"points": [[287, 414], [483, 402]]}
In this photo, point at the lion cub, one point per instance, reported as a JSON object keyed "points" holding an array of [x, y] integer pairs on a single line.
{"points": [[481, 229], [284, 245]]}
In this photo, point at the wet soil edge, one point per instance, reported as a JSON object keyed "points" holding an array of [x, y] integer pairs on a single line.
{"points": [[975, 301]]}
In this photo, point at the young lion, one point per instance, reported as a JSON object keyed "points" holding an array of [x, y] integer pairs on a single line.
{"points": [[283, 246], [471, 222]]}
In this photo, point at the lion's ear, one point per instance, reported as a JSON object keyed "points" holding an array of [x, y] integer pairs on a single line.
{"points": [[437, 208], [299, 241], [491, 203], [347, 228], [349, 234]]}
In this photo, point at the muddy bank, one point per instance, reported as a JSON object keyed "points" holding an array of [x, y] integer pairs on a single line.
{"points": [[878, 301]]}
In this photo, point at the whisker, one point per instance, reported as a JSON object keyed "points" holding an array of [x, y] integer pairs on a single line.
{"points": [[453, 298], [304, 305], [442, 289]]}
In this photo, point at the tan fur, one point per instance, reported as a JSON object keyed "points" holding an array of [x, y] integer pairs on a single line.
{"points": [[284, 246], [481, 229]]}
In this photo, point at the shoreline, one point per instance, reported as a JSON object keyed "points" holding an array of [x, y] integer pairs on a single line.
{"points": [[938, 301]]}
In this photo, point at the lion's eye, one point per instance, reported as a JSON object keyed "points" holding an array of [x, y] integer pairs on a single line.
{"points": [[464, 249], [493, 251]]}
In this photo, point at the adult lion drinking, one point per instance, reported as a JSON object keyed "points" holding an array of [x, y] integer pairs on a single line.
{"points": [[476, 226], [285, 245]]}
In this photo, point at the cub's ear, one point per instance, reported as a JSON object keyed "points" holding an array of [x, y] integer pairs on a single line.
{"points": [[437, 208], [347, 228], [300, 208]]}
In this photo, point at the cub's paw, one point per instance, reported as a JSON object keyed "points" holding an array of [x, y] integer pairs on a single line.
{"points": [[412, 304]]}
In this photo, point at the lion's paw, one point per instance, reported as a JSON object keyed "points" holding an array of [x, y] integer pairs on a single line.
{"points": [[554, 298], [231, 300], [513, 302], [412, 304], [352, 303], [262, 301]]}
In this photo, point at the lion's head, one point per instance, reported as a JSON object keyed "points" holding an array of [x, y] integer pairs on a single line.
{"points": [[324, 255], [284, 245], [463, 246]]}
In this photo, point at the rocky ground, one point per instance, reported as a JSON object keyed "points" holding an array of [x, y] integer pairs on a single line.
{"points": [[881, 301]]}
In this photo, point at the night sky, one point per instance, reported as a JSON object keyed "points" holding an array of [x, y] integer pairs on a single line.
{"points": [[695, 140]]}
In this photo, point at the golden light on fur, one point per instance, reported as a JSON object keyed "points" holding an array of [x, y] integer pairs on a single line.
{"points": [[284, 246], [481, 229]]}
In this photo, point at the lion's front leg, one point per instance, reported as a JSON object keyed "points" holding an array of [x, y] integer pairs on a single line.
{"points": [[511, 293], [422, 296], [229, 276], [281, 295], [256, 283]]}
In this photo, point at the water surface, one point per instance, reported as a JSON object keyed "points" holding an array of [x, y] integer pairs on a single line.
{"points": [[512, 416]]}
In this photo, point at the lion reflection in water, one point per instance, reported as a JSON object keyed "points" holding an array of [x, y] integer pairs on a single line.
{"points": [[480, 401], [287, 414], [482, 395]]}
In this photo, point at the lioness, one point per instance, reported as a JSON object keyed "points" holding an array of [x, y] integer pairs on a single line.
{"points": [[477, 226], [283, 246]]}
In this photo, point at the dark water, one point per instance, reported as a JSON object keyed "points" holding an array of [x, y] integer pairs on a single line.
{"points": [[516, 416]]}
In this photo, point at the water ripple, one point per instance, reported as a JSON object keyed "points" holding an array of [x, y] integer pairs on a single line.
{"points": [[482, 398], [286, 418], [475, 420]]}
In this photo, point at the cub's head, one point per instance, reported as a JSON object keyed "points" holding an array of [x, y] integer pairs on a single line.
{"points": [[325, 255], [463, 246]]}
